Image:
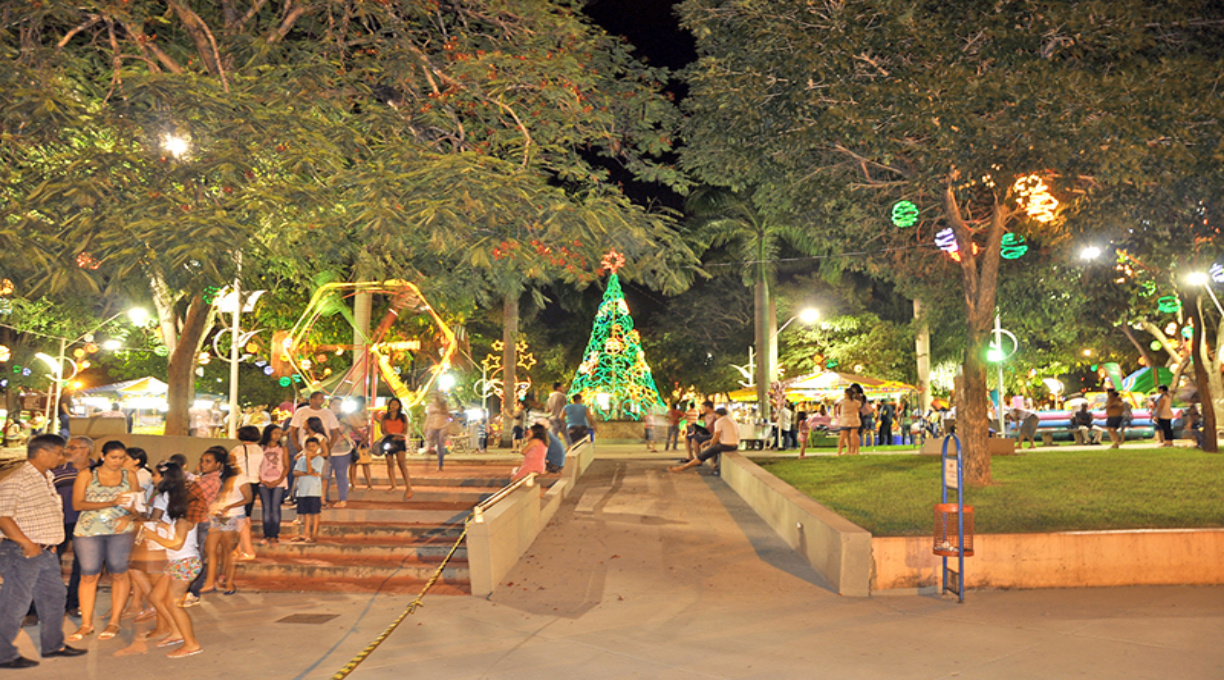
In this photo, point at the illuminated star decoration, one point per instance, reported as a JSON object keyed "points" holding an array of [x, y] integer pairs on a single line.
{"points": [[492, 365], [612, 262], [904, 214], [1168, 304], [1013, 246], [946, 240], [1033, 197]]}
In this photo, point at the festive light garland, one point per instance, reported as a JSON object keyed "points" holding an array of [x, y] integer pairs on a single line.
{"points": [[1034, 198], [1217, 272], [1013, 247], [614, 379], [492, 364], [1168, 304], [904, 214]]}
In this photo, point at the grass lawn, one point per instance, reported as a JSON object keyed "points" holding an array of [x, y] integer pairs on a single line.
{"points": [[1043, 490]]}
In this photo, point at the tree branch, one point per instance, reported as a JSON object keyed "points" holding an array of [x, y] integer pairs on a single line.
{"points": [[93, 19], [286, 24]]}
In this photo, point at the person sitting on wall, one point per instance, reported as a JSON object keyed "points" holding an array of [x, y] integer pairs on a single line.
{"points": [[1082, 428], [725, 437]]}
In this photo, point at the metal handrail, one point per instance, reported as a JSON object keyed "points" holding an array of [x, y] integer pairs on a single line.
{"points": [[478, 511]]}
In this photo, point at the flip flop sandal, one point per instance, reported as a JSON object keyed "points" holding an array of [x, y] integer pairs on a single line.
{"points": [[79, 635], [170, 643], [183, 654], [107, 633]]}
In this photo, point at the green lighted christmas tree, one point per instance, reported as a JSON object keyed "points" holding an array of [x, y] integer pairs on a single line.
{"points": [[614, 380]]}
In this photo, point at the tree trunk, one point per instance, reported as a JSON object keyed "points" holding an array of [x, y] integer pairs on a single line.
{"points": [[180, 373], [167, 317], [764, 370], [922, 347], [360, 375], [510, 326], [979, 279], [1202, 373]]}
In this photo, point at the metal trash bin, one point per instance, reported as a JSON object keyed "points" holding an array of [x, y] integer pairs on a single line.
{"points": [[947, 530]]}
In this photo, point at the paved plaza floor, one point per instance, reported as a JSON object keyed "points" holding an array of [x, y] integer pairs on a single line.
{"points": [[647, 574]]}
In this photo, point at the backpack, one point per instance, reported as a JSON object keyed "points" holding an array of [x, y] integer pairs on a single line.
{"points": [[270, 466]]}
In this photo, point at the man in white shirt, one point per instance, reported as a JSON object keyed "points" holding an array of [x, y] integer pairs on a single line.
{"points": [[556, 413], [784, 427], [724, 437], [297, 426]]}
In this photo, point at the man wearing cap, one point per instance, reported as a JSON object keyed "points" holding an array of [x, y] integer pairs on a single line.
{"points": [[725, 437], [32, 521]]}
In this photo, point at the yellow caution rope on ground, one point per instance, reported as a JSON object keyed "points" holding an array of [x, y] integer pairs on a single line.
{"points": [[361, 656]]}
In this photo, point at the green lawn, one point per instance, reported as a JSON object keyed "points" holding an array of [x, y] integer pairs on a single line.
{"points": [[1044, 490]]}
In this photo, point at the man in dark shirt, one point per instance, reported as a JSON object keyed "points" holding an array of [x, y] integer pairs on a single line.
{"points": [[1085, 432], [79, 452]]}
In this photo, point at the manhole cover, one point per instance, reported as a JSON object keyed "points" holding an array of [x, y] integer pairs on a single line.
{"points": [[308, 618]]}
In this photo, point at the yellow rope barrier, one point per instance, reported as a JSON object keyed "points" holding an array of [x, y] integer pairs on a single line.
{"points": [[412, 607]]}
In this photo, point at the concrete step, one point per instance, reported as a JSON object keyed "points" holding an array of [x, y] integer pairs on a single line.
{"points": [[373, 532], [350, 567], [422, 493], [333, 548], [382, 483], [396, 584]]}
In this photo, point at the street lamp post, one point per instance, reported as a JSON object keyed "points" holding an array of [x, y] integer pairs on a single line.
{"points": [[1201, 279], [998, 355], [138, 317]]}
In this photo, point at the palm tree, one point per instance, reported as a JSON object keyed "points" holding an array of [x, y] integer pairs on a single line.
{"points": [[724, 217]]}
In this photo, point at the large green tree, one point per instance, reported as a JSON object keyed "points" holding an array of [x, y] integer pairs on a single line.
{"points": [[834, 110], [462, 143]]}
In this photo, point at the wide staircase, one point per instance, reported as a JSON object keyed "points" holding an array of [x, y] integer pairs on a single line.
{"points": [[380, 543]]}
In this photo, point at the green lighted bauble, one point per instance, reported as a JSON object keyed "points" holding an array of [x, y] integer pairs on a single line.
{"points": [[284, 381], [831, 363], [1155, 345], [1013, 247], [1168, 304], [161, 351], [904, 214]]}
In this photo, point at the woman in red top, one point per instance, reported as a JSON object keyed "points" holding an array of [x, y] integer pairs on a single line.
{"points": [[394, 425]]}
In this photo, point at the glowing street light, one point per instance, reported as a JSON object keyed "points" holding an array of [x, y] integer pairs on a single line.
{"points": [[138, 316], [112, 345], [1203, 279], [175, 145], [1090, 253], [808, 316]]}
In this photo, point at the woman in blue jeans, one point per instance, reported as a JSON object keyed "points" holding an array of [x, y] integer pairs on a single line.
{"points": [[273, 474], [103, 535]]}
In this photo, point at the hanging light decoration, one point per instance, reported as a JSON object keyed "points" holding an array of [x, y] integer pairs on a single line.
{"points": [[1013, 247], [1034, 198], [904, 214], [1168, 304]]}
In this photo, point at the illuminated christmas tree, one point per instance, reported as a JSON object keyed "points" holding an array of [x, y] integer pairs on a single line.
{"points": [[614, 379]]}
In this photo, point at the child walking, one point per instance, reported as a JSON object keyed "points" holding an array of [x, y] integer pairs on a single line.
{"points": [[309, 474]]}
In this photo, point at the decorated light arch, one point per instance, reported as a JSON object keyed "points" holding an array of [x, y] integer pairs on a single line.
{"points": [[406, 299]]}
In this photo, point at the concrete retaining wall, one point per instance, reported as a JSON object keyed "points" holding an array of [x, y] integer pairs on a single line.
{"points": [[836, 547], [1072, 559], [160, 447], [509, 528]]}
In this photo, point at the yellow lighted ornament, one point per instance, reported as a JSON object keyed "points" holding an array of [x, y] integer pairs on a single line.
{"points": [[5, 353], [1033, 197]]}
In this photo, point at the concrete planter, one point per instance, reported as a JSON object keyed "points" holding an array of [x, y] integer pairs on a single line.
{"points": [[857, 564]]}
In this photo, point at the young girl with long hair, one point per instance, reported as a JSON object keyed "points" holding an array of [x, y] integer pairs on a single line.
{"points": [[177, 535], [394, 426], [273, 475], [224, 528]]}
